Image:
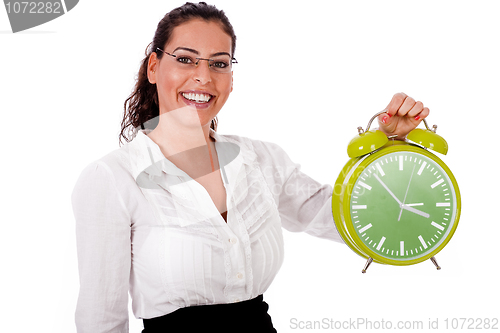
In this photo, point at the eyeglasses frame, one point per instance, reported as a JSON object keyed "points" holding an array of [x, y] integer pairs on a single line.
{"points": [[233, 60]]}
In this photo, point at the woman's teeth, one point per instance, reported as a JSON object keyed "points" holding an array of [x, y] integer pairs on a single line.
{"points": [[198, 98]]}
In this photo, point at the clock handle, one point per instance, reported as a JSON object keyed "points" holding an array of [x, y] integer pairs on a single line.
{"points": [[360, 129], [434, 127], [426, 138]]}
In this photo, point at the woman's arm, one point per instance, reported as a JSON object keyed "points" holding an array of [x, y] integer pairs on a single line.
{"points": [[303, 203], [104, 252]]}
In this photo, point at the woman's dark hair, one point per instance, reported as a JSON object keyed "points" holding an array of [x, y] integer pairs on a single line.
{"points": [[142, 104]]}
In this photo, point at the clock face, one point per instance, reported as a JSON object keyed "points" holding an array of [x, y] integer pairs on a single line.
{"points": [[403, 206]]}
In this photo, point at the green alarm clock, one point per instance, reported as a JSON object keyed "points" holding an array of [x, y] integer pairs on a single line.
{"points": [[394, 201]]}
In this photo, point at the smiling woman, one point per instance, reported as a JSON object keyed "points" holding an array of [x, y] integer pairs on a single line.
{"points": [[185, 219], [184, 73], [143, 104], [219, 244]]}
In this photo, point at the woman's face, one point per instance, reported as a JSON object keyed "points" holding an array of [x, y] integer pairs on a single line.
{"points": [[199, 87]]}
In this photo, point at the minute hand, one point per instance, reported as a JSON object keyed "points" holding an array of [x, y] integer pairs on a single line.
{"points": [[387, 189], [401, 205]]}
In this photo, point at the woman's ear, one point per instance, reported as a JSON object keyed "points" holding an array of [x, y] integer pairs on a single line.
{"points": [[152, 66]]}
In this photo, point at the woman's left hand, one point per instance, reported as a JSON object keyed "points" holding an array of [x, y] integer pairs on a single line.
{"points": [[401, 116]]}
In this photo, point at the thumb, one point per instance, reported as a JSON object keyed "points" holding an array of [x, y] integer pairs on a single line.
{"points": [[385, 119]]}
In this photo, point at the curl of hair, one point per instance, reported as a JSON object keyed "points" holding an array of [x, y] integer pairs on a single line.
{"points": [[142, 104]]}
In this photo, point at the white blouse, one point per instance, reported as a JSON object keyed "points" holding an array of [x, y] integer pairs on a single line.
{"points": [[144, 226]]}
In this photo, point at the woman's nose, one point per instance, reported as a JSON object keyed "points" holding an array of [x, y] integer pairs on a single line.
{"points": [[202, 72]]}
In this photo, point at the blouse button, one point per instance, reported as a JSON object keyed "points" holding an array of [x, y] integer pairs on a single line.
{"points": [[233, 240], [239, 276]]}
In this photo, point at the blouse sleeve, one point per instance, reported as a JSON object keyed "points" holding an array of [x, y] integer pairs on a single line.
{"points": [[304, 204], [104, 252]]}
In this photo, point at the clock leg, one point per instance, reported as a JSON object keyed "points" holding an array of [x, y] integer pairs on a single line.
{"points": [[433, 259], [368, 262]]}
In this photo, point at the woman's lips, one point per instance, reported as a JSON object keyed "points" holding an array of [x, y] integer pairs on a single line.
{"points": [[198, 99]]}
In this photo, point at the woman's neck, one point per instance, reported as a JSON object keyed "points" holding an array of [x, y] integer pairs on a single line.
{"points": [[188, 146], [180, 130]]}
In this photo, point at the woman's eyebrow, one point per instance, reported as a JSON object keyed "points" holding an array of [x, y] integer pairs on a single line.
{"points": [[197, 53], [220, 53], [186, 49]]}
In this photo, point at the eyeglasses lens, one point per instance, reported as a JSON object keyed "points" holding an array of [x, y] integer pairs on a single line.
{"points": [[220, 64]]}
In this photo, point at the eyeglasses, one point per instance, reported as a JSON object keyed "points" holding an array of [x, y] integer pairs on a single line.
{"points": [[185, 60]]}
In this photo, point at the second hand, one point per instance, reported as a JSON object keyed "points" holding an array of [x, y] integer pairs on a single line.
{"points": [[404, 200]]}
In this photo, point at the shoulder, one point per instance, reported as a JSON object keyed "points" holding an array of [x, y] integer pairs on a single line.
{"points": [[110, 172], [116, 162]]}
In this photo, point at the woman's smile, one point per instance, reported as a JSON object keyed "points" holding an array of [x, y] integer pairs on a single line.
{"points": [[198, 99]]}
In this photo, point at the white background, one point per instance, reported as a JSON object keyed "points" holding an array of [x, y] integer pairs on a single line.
{"points": [[309, 73]]}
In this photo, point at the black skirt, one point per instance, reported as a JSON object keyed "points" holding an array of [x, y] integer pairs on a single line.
{"points": [[243, 317]]}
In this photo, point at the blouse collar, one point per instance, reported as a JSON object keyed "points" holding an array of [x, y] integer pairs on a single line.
{"points": [[146, 156]]}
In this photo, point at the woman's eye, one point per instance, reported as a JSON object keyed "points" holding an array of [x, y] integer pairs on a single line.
{"points": [[220, 64], [184, 60]]}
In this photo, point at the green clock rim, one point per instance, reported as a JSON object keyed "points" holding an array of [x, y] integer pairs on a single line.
{"points": [[337, 198], [352, 170]]}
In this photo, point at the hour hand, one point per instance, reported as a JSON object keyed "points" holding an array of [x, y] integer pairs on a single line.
{"points": [[387, 189], [413, 210]]}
